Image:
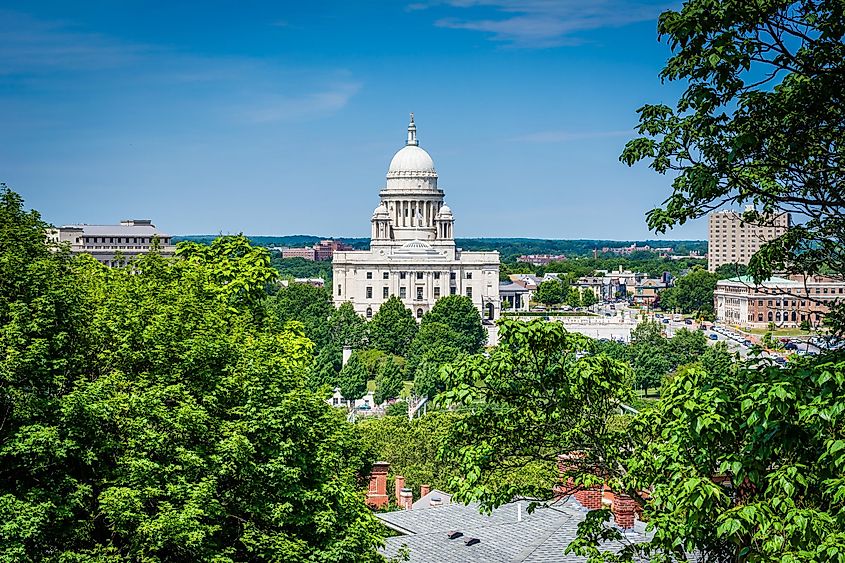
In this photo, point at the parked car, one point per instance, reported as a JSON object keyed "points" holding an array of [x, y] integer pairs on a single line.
{"points": [[688, 322], [791, 346], [747, 343], [666, 321], [714, 336]]}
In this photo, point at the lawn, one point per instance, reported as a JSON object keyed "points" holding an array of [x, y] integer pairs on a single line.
{"points": [[779, 332]]}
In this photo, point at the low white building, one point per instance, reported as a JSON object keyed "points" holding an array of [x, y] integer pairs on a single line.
{"points": [[108, 243], [412, 251]]}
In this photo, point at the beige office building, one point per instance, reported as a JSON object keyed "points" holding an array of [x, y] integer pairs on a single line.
{"points": [[732, 241], [113, 244]]}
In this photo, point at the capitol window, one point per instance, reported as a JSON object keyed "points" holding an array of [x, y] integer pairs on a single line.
{"points": [[401, 275], [369, 293], [419, 275], [369, 312], [402, 293], [419, 294], [369, 275], [384, 275], [437, 275], [469, 275], [384, 292], [469, 292]]}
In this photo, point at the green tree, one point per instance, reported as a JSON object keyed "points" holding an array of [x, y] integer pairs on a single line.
{"points": [[687, 346], [392, 328], [458, 313], [434, 343], [347, 328], [694, 293], [312, 306], [759, 123], [390, 381], [353, 379], [153, 413], [535, 396], [588, 298], [667, 299], [726, 271], [549, 292], [573, 297], [411, 446]]}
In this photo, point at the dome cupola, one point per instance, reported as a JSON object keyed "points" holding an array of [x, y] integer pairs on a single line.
{"points": [[412, 167]]}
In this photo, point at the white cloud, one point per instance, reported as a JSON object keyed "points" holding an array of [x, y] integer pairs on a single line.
{"points": [[272, 108], [28, 45], [546, 23]]}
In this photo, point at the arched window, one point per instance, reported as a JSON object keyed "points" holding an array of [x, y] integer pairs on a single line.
{"points": [[419, 313], [793, 316], [770, 316], [777, 316], [369, 312]]}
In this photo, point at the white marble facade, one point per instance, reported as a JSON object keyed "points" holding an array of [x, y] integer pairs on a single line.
{"points": [[412, 252]]}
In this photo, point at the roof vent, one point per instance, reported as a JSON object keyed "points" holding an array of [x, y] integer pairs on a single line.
{"points": [[454, 534], [471, 541]]}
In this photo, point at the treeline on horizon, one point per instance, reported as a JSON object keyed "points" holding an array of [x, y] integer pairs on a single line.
{"points": [[509, 248]]}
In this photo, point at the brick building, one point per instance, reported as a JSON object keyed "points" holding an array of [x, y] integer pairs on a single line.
{"points": [[785, 302]]}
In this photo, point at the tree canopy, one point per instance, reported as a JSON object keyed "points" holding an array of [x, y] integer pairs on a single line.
{"points": [[759, 123], [353, 378], [461, 317], [390, 381], [392, 328], [549, 292], [154, 413]]}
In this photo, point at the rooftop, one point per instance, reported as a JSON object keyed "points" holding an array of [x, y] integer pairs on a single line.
{"points": [[508, 534]]}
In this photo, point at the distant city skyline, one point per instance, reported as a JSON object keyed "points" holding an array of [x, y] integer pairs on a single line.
{"points": [[281, 119]]}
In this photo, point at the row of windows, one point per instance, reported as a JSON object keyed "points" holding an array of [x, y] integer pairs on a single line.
{"points": [[122, 240], [403, 292], [419, 275], [370, 313]]}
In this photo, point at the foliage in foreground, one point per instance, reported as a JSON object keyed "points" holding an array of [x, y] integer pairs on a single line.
{"points": [[741, 464], [151, 413]]}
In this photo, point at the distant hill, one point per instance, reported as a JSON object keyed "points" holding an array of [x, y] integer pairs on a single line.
{"points": [[509, 248]]}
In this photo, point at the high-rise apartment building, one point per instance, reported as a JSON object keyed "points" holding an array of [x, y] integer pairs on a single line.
{"points": [[730, 240]]}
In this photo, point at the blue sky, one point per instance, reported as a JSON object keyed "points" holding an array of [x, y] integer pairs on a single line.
{"points": [[281, 117]]}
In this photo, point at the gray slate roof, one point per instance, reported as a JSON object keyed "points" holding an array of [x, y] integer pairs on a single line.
{"points": [[540, 537]]}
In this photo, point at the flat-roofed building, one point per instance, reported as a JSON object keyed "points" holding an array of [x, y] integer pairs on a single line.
{"points": [[113, 244], [787, 302], [730, 240]]}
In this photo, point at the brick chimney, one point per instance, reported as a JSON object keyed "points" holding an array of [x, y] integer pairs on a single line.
{"points": [[406, 498], [399, 485], [424, 490], [624, 508], [377, 494], [589, 497]]}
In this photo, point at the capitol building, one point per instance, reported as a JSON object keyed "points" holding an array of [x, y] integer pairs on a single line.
{"points": [[412, 251]]}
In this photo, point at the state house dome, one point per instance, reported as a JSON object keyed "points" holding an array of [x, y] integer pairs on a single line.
{"points": [[411, 161]]}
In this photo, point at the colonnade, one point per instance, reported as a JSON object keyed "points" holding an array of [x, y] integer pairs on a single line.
{"points": [[415, 213]]}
